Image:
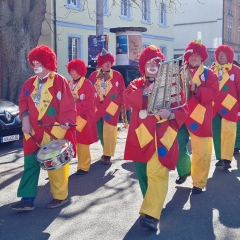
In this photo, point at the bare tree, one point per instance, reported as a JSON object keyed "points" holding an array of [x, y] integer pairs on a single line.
{"points": [[20, 29]]}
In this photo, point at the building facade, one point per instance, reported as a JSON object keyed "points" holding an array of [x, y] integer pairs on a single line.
{"points": [[215, 22], [69, 23]]}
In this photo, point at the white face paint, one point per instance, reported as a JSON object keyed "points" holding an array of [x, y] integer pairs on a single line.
{"points": [[37, 67], [38, 70], [152, 70]]}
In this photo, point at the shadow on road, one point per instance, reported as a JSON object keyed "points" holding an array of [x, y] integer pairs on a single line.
{"points": [[198, 216], [32, 224], [83, 185]]}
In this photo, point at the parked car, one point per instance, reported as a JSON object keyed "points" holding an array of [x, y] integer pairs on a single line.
{"points": [[10, 123]]}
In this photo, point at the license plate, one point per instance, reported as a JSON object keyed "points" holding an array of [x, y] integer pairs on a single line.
{"points": [[10, 138]]}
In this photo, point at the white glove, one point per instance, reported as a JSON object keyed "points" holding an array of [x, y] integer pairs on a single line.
{"points": [[65, 126]]}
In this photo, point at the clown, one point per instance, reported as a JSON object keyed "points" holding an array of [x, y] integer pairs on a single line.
{"points": [[109, 86], [86, 132], [151, 142], [45, 99], [203, 90], [225, 109]]}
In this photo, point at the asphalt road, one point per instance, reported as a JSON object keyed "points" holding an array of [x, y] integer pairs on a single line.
{"points": [[104, 204]]}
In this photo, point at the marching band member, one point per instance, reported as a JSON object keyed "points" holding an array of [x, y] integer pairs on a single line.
{"points": [[109, 86], [225, 109], [151, 142], [86, 130], [237, 142], [203, 87], [44, 97]]}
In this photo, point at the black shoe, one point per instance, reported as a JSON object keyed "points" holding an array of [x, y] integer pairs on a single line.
{"points": [[196, 190], [149, 222], [22, 206], [236, 151], [81, 172], [227, 164], [219, 163], [106, 160], [181, 180], [56, 203]]}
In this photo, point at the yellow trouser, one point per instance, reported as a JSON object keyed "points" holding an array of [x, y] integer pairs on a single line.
{"points": [[228, 136], [59, 182], [109, 139], [157, 188], [201, 159], [84, 157]]}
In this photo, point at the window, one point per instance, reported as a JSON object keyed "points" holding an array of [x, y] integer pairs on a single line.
{"points": [[74, 44], [163, 15], [238, 57], [229, 31], [105, 8], [238, 35], [76, 4], [163, 49], [145, 44], [146, 11], [125, 9], [230, 7]]}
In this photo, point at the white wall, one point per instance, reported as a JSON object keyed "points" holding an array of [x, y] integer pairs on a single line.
{"points": [[193, 17], [83, 23]]}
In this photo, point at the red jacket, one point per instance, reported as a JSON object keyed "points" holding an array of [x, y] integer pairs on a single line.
{"points": [[199, 119], [150, 134], [57, 107], [108, 107], [227, 102], [84, 95]]}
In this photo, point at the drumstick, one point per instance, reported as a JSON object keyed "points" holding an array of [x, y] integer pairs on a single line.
{"points": [[34, 140], [58, 125], [41, 124]]}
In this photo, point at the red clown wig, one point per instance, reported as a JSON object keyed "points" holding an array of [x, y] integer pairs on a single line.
{"points": [[227, 50], [147, 54], [45, 55], [104, 57], [197, 47], [78, 65]]}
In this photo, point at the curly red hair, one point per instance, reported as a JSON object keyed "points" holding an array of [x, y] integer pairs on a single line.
{"points": [[78, 65], [227, 50], [105, 58], [45, 55], [198, 48], [147, 54]]}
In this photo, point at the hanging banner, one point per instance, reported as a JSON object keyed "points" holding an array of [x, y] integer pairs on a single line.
{"points": [[134, 48], [95, 46]]}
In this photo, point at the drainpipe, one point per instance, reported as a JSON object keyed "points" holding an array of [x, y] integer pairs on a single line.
{"points": [[54, 26], [223, 24]]}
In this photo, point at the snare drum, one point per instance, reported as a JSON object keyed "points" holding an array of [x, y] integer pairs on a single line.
{"points": [[55, 154]]}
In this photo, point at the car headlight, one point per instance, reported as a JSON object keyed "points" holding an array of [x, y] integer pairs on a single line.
{"points": [[18, 119]]}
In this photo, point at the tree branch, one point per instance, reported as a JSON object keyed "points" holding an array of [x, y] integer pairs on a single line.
{"points": [[18, 10], [36, 18]]}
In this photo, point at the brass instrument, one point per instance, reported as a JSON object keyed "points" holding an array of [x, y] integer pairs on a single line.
{"points": [[167, 87]]}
